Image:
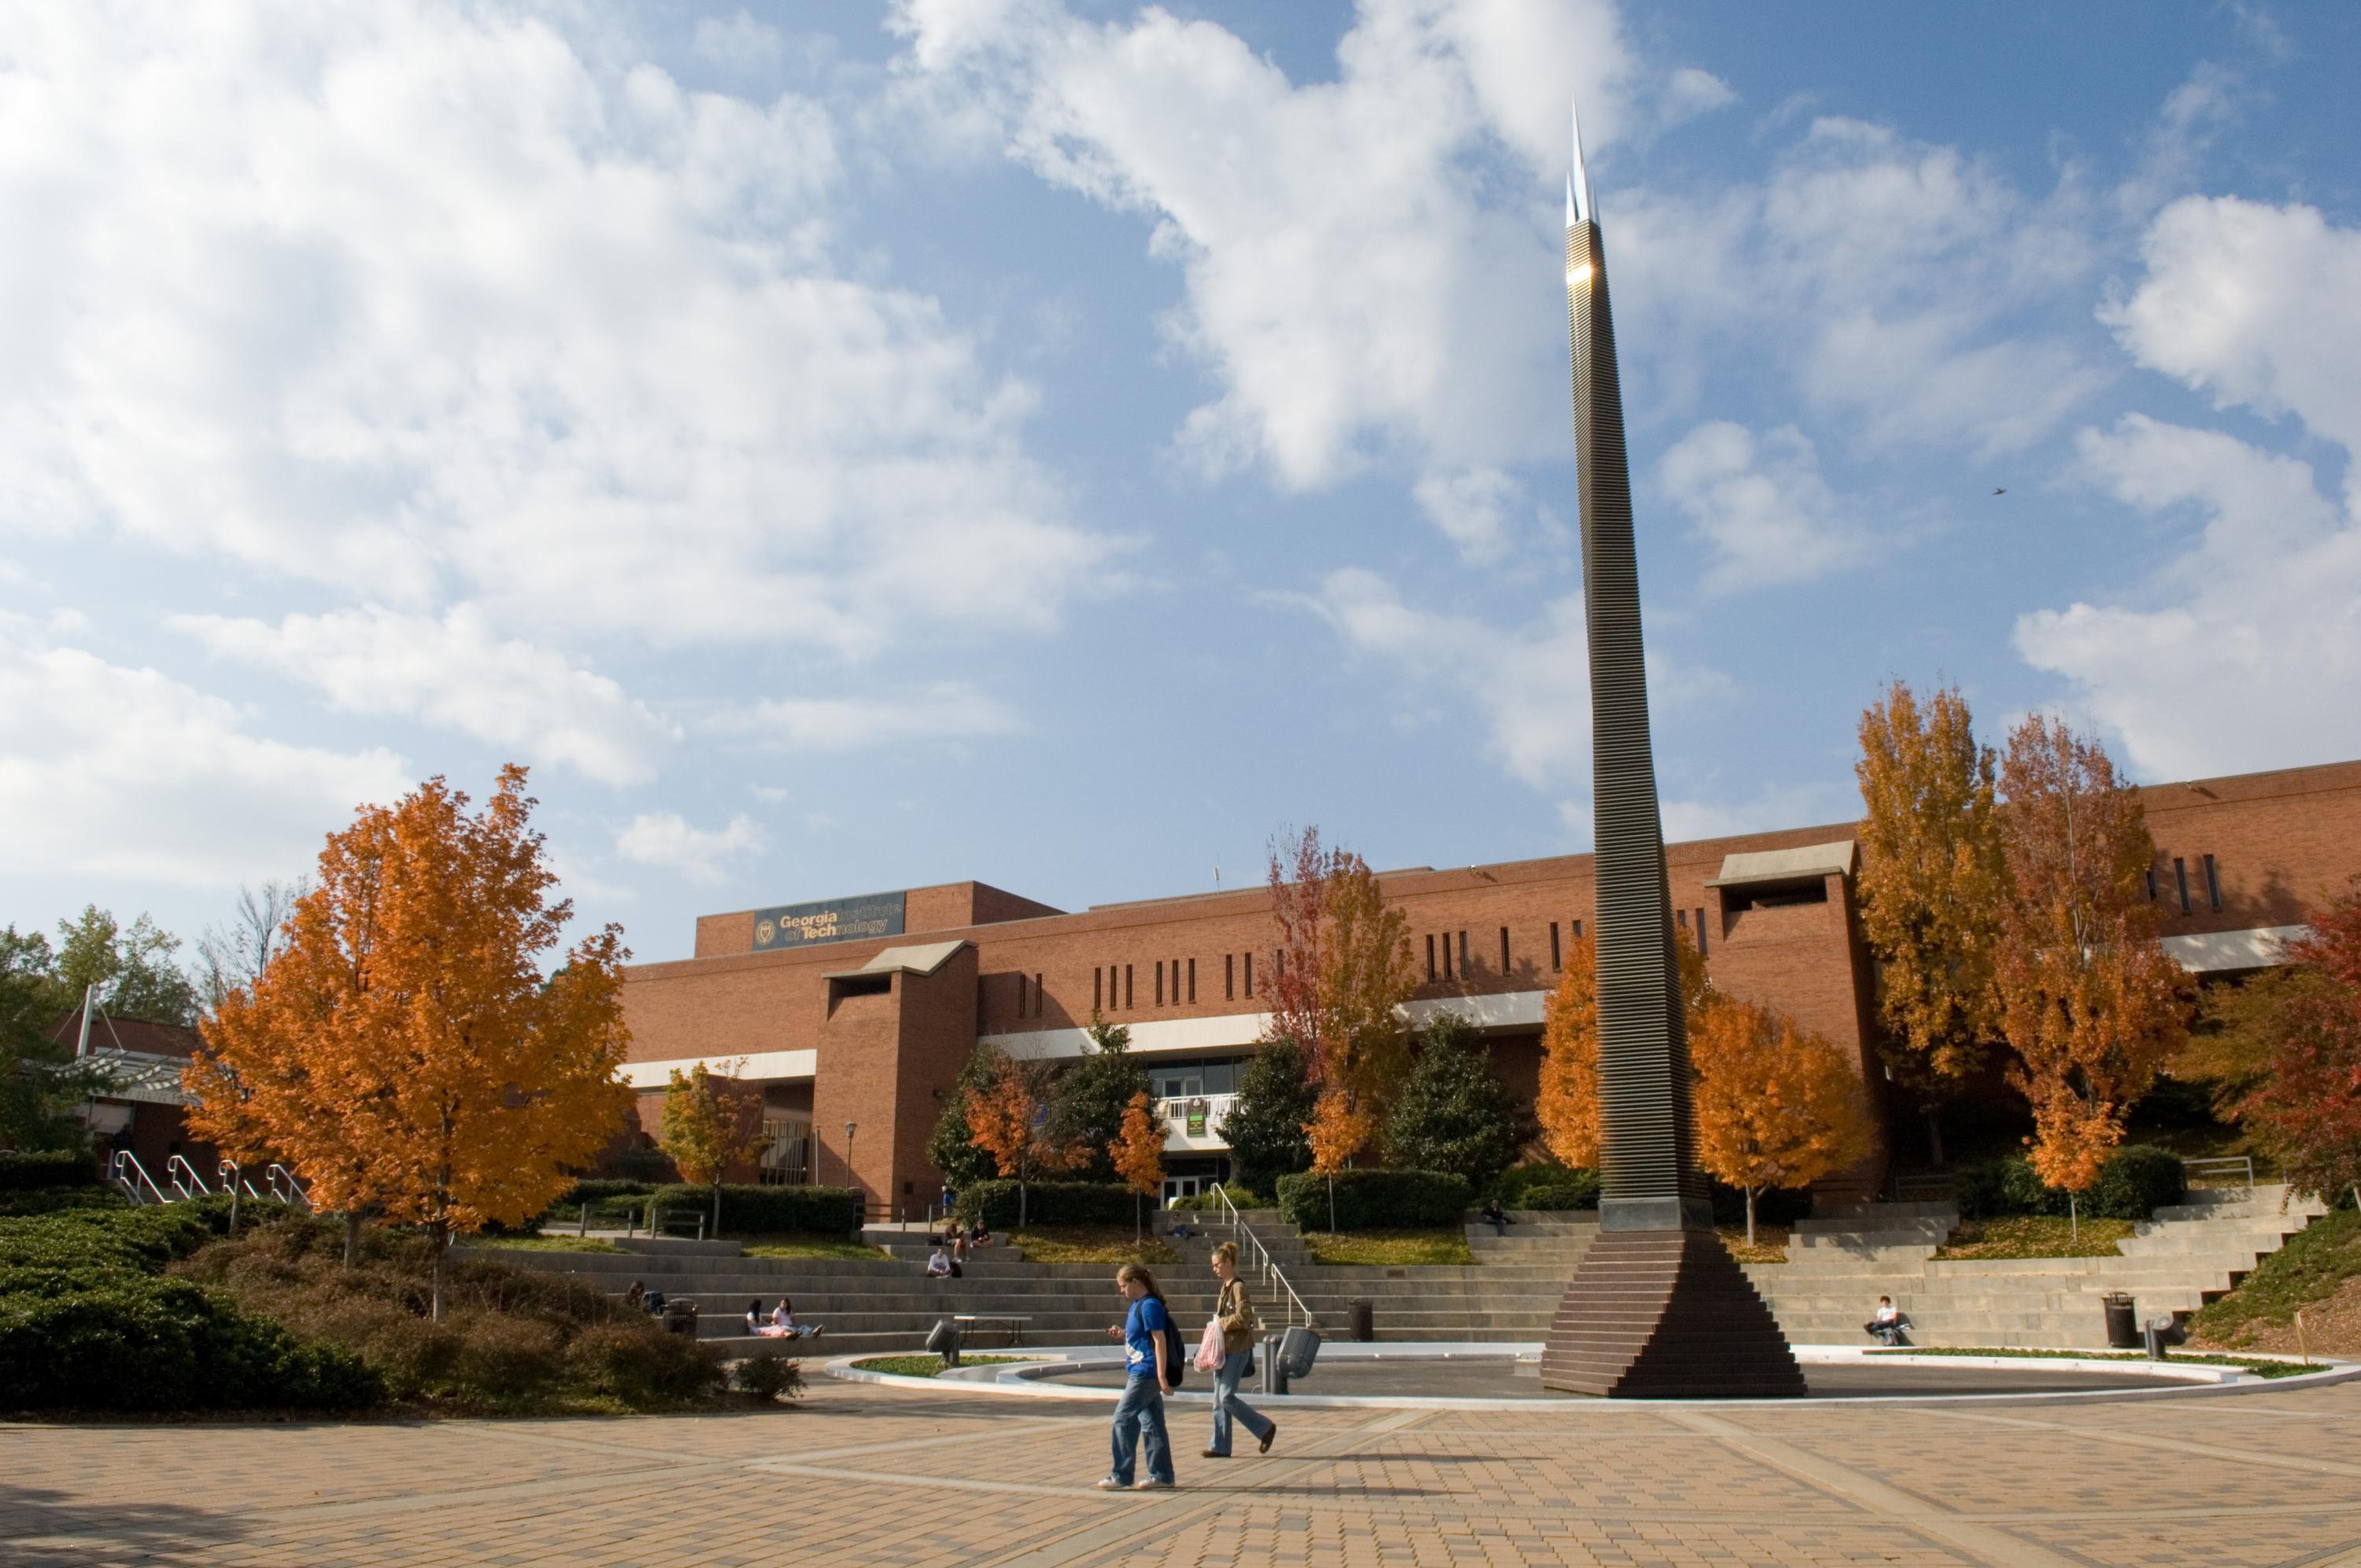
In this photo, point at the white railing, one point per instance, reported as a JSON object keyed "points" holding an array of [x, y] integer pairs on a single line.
{"points": [[233, 1183], [1270, 1271], [2227, 1170], [184, 1179], [127, 1173], [284, 1187]]}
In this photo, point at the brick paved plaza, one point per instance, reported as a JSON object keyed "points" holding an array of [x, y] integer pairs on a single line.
{"points": [[868, 1474]]}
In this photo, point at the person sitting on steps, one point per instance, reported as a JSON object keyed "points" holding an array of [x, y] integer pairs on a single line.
{"points": [[1886, 1323], [1496, 1218]]}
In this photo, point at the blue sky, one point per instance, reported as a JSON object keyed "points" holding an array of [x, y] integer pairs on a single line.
{"points": [[1061, 443]]}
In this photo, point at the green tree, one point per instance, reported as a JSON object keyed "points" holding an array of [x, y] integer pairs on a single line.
{"points": [[951, 1148], [1450, 1114], [1088, 1097], [711, 1122], [42, 1084], [1265, 1126], [131, 967]]}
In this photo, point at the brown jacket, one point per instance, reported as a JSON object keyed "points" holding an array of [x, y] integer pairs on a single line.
{"points": [[1237, 1316]]}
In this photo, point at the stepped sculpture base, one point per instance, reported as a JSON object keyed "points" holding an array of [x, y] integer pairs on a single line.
{"points": [[1666, 1315]]}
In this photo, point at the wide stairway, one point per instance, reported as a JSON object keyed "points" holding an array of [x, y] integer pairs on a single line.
{"points": [[1841, 1260]]}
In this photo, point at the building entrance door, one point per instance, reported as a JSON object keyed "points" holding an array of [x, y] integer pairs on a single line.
{"points": [[1181, 1186]]}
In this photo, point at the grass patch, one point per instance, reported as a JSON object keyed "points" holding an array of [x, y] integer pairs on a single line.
{"points": [[1769, 1244], [2313, 1266], [813, 1246], [1394, 1248], [1091, 1243], [2036, 1236], [548, 1243], [929, 1365], [2260, 1368]]}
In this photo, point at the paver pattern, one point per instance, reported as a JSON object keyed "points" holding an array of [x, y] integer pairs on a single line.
{"points": [[866, 1475]]}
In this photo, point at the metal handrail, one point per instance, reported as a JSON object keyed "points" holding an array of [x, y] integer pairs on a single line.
{"points": [[184, 1178], [2223, 1165], [233, 1183], [127, 1173], [1271, 1272], [284, 1187]]}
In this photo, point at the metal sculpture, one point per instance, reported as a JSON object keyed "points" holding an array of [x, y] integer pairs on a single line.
{"points": [[1659, 1308]]}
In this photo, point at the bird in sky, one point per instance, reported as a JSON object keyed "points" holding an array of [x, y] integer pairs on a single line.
{"points": [[2000, 492]]}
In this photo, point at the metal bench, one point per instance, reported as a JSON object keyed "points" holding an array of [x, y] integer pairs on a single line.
{"points": [[970, 1321]]}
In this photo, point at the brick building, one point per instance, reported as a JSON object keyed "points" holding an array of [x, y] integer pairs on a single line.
{"points": [[856, 1014]]}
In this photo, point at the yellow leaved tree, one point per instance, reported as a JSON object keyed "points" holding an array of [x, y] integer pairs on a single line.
{"points": [[403, 1050], [1567, 1103], [1776, 1106], [1137, 1152], [711, 1120]]}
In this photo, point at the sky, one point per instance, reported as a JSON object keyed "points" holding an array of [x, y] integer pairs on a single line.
{"points": [[840, 447]]}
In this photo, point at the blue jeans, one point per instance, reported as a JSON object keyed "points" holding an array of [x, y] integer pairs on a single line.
{"points": [[1227, 1405], [1140, 1413]]}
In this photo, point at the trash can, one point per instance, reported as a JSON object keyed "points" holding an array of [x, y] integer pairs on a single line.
{"points": [[680, 1316], [944, 1341], [2123, 1323], [1274, 1366], [1362, 1315]]}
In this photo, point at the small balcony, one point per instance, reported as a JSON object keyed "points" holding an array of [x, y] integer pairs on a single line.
{"points": [[1192, 1123]]}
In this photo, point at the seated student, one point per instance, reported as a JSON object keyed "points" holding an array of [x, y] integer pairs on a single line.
{"points": [[782, 1322], [637, 1296], [953, 1241], [939, 1265], [978, 1236], [1183, 1230], [1886, 1325], [756, 1319], [653, 1301], [1500, 1222]]}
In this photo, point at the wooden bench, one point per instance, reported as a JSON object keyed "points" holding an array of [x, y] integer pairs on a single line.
{"points": [[970, 1321]]}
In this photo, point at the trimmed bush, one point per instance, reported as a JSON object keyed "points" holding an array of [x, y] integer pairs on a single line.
{"points": [[768, 1375], [2136, 1180], [595, 1190], [1518, 1180], [748, 1209], [1047, 1203], [46, 1167], [50, 1199], [1579, 1192], [1240, 1198], [1375, 1200]]}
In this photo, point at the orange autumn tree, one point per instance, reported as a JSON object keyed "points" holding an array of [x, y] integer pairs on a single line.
{"points": [[2089, 1001], [1567, 1103], [1776, 1106], [1010, 1120], [1930, 888], [1137, 1152], [403, 1049], [711, 1120]]}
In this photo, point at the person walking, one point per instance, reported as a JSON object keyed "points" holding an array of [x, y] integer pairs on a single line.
{"points": [[1234, 1315], [1149, 1351]]}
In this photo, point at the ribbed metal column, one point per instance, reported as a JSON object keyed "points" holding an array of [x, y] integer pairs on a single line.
{"points": [[1658, 1309], [1645, 1121]]}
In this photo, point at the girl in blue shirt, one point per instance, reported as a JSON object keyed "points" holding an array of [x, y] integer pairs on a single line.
{"points": [[1147, 1336]]}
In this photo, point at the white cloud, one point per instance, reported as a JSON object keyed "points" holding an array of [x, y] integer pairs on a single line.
{"points": [[456, 671], [1353, 286], [664, 839], [1473, 510], [948, 710], [738, 43], [1687, 819], [1689, 92], [1760, 503], [429, 301], [1530, 685], [2244, 649], [1888, 273], [110, 771]]}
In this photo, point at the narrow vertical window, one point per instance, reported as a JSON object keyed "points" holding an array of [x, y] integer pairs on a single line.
{"points": [[1700, 933], [1229, 977], [1037, 996], [1557, 955], [1020, 996], [1504, 949], [2213, 884], [1193, 981], [2151, 884], [1160, 983], [1577, 930], [1681, 918], [1098, 1001], [1463, 953], [1430, 955], [1446, 955], [1126, 985], [1249, 974], [2181, 879]]}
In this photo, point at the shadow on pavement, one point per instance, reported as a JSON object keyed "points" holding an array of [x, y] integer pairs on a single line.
{"points": [[49, 1530]]}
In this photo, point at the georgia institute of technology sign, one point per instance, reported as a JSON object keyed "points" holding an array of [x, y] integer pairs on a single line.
{"points": [[829, 920]]}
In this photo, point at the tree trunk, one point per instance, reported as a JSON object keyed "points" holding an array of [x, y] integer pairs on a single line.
{"points": [[1935, 1136], [1750, 1216], [2073, 1217], [439, 1240], [1331, 1202], [1020, 1203], [352, 1237], [715, 1229], [1138, 1222]]}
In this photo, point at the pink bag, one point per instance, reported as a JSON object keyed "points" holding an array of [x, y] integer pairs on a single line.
{"points": [[1209, 1355]]}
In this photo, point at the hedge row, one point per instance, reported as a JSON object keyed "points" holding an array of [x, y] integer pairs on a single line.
{"points": [[86, 1322], [749, 1209], [2134, 1182], [1374, 1199], [46, 1167], [1540, 1184], [1046, 1203], [596, 1188]]}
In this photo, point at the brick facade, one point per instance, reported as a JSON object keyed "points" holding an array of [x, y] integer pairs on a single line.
{"points": [[2282, 842]]}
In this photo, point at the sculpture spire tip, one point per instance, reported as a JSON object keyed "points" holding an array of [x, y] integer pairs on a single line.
{"points": [[1578, 183]]}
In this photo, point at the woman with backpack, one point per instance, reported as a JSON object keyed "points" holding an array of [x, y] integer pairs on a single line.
{"points": [[1152, 1358], [1233, 1318]]}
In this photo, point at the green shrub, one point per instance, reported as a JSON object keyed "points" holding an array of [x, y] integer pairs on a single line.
{"points": [[1047, 1203], [1374, 1199], [768, 1375], [1516, 1184], [595, 1190], [2134, 1181], [50, 1199], [1210, 1199], [47, 1169], [1579, 1192], [748, 1209]]}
